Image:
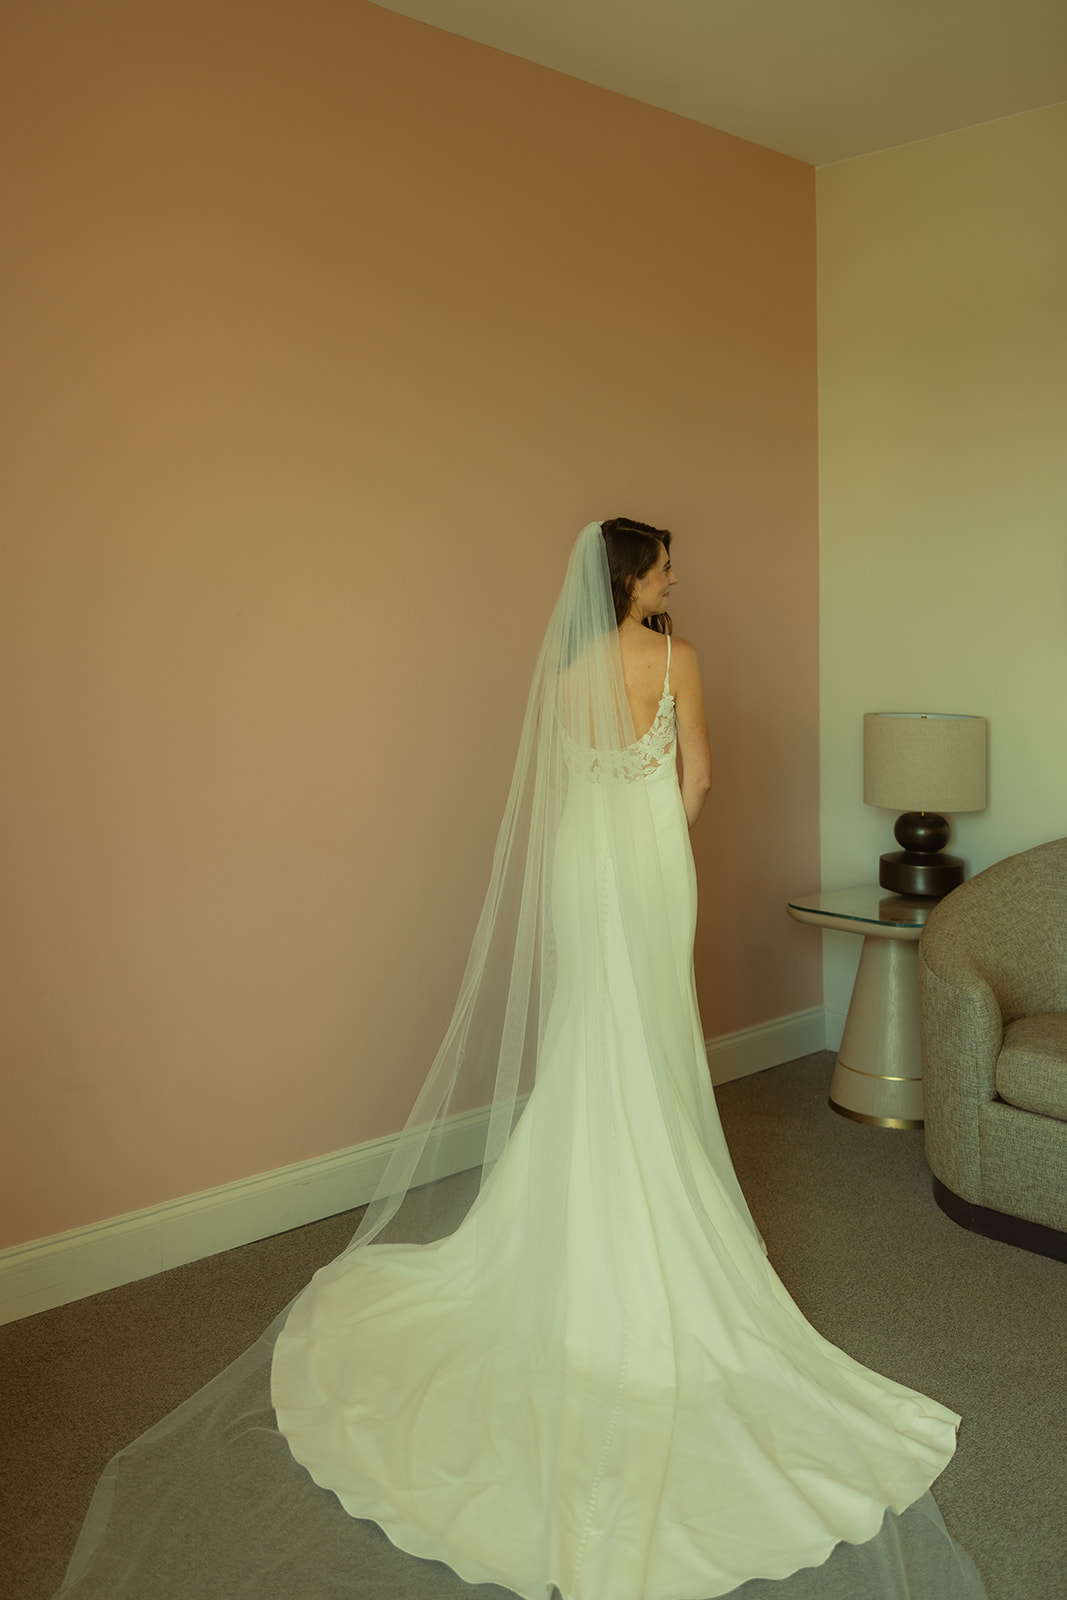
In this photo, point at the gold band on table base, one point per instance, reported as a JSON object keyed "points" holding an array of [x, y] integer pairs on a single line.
{"points": [[880, 1077], [875, 1122], [867, 1116]]}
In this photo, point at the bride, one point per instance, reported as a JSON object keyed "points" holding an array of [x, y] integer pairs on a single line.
{"points": [[590, 1379]]}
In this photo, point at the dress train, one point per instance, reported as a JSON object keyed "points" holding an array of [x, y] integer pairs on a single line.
{"points": [[597, 1381]]}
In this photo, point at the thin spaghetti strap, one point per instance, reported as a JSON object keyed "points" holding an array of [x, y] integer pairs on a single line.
{"points": [[667, 674]]}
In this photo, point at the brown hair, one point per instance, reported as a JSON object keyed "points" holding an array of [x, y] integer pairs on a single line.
{"points": [[633, 550]]}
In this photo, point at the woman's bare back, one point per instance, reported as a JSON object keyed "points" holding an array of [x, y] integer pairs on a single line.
{"points": [[644, 666]]}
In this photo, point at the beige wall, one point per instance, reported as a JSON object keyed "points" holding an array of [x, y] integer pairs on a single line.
{"points": [[943, 448], [329, 332]]}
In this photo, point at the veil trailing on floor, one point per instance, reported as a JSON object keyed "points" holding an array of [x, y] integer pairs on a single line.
{"points": [[210, 1502]]}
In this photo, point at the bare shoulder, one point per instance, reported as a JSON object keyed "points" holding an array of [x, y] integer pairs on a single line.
{"points": [[684, 658], [643, 650]]}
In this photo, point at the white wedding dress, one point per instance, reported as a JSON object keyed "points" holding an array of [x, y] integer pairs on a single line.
{"points": [[585, 1385], [595, 1383]]}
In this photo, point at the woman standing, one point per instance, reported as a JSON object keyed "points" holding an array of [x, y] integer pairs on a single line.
{"points": [[588, 1379]]}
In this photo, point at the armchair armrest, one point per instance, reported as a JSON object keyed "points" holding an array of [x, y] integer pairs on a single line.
{"points": [[962, 1031]]}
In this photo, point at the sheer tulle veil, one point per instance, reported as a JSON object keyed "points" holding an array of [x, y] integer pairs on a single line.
{"points": [[209, 1502], [487, 1060]]}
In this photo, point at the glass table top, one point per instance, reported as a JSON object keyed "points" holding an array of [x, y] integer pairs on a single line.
{"points": [[868, 903]]}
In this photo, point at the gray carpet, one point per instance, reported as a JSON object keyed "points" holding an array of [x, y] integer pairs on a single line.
{"points": [[850, 1226]]}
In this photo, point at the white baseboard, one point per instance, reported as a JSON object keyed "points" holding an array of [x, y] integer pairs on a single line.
{"points": [[45, 1273], [736, 1055], [68, 1266]]}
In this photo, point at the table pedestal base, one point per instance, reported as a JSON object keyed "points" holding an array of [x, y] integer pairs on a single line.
{"points": [[878, 1076]]}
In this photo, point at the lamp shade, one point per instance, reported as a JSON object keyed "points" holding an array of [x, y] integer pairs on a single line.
{"points": [[924, 761]]}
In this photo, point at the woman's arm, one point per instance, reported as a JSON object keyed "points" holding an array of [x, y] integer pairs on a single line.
{"points": [[694, 747]]}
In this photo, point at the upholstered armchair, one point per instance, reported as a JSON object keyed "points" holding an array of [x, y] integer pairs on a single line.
{"points": [[993, 1004]]}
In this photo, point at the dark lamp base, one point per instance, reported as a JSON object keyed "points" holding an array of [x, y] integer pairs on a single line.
{"points": [[910, 872], [920, 868]]}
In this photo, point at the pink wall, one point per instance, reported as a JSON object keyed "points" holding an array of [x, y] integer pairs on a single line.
{"points": [[329, 332]]}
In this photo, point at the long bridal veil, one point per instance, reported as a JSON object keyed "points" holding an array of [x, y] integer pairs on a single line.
{"points": [[577, 726], [210, 1502]]}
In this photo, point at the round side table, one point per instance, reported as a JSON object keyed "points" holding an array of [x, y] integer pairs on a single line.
{"points": [[878, 1076]]}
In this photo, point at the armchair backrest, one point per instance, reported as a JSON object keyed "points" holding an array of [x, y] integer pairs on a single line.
{"points": [[1008, 927]]}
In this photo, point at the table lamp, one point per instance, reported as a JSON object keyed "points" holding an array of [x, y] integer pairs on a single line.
{"points": [[923, 763]]}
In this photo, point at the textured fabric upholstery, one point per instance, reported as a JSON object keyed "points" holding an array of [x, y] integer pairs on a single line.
{"points": [[1032, 1065], [993, 992], [1024, 1164]]}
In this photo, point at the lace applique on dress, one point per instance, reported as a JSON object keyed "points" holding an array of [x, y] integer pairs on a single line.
{"points": [[638, 760]]}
